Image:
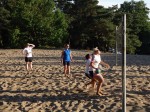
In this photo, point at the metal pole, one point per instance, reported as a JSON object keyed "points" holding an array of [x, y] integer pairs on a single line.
{"points": [[124, 65], [116, 47]]}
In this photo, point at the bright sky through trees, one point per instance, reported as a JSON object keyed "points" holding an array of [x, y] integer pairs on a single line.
{"points": [[109, 3]]}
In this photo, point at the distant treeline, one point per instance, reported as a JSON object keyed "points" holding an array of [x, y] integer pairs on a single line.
{"points": [[82, 23]]}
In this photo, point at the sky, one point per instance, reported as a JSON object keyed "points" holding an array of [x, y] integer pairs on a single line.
{"points": [[109, 3]]}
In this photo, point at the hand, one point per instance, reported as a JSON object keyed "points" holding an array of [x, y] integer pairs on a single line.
{"points": [[108, 66]]}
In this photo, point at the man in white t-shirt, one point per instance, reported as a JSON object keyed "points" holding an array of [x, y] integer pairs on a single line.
{"points": [[27, 51]]}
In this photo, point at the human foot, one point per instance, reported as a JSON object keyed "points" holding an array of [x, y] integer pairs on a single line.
{"points": [[99, 94]]}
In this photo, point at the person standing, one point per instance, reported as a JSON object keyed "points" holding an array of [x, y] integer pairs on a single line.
{"points": [[95, 62], [27, 51], [66, 58], [89, 71]]}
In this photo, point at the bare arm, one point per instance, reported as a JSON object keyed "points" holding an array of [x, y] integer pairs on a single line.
{"points": [[105, 64], [71, 56], [32, 45], [92, 62], [23, 51], [62, 56]]}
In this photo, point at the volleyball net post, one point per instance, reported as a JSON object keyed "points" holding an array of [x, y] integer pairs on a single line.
{"points": [[124, 65]]}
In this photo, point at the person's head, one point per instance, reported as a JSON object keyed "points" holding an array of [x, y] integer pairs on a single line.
{"points": [[88, 56], [96, 51], [27, 44], [66, 46]]}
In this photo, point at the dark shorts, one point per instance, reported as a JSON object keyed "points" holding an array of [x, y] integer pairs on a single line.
{"points": [[66, 63], [90, 75], [28, 59]]}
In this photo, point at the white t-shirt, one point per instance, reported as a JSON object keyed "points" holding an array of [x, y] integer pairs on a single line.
{"points": [[88, 67], [96, 60], [28, 51]]}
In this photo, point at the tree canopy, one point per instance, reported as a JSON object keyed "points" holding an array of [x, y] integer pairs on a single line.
{"points": [[82, 23]]}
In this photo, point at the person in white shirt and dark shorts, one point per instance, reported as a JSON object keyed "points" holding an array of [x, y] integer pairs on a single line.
{"points": [[27, 51]]}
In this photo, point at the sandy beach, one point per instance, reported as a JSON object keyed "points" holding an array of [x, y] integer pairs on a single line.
{"points": [[45, 89]]}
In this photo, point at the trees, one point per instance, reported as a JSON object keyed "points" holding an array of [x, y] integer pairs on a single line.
{"points": [[137, 19], [83, 24], [89, 27], [144, 37], [4, 25], [36, 21]]}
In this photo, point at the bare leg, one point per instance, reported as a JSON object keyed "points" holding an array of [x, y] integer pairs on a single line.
{"points": [[100, 79], [65, 70], [27, 66], [30, 65], [68, 68], [98, 88], [92, 82]]}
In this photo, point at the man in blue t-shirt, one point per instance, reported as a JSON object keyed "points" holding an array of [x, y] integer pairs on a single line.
{"points": [[66, 58]]}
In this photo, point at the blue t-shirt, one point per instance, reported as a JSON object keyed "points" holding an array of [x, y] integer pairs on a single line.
{"points": [[67, 55]]}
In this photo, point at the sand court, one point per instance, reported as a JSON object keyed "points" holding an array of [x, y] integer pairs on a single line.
{"points": [[45, 89]]}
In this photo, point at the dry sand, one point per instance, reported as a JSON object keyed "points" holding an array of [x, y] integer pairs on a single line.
{"points": [[45, 89]]}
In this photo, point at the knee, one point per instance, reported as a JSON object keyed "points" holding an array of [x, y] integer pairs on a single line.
{"points": [[102, 80]]}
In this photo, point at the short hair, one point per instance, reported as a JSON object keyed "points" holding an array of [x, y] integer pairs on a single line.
{"points": [[87, 56], [66, 45], [27, 44]]}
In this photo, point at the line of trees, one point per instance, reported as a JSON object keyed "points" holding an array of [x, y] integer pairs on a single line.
{"points": [[82, 23]]}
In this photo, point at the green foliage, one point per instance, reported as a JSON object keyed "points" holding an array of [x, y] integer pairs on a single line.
{"points": [[82, 23], [15, 38], [145, 39], [36, 21], [4, 27], [133, 42], [137, 18], [89, 27]]}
